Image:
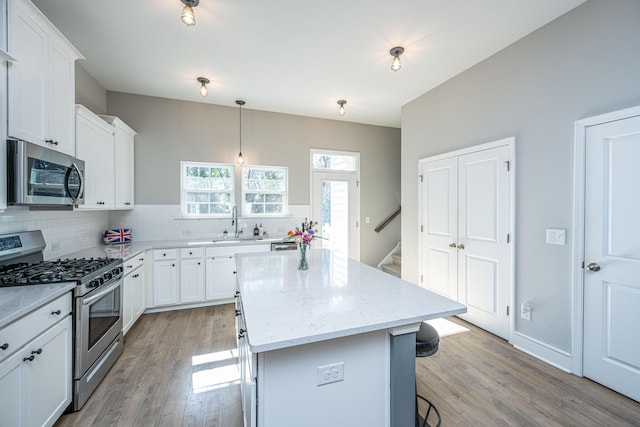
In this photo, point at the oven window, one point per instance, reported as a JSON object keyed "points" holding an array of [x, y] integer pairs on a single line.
{"points": [[103, 314]]}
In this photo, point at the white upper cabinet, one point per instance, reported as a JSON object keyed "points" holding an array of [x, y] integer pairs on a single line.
{"points": [[41, 83], [95, 145], [124, 162]]}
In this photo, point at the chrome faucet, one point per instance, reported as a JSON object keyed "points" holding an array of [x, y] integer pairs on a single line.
{"points": [[234, 219]]}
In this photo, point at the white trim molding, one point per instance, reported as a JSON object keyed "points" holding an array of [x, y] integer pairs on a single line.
{"points": [[577, 275], [543, 351]]}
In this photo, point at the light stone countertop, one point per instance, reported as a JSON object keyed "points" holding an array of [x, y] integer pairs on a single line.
{"points": [[284, 307], [127, 250], [17, 301]]}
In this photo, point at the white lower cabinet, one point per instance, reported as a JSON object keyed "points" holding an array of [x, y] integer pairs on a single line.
{"points": [[35, 381], [165, 278], [247, 364], [133, 297], [193, 276]]}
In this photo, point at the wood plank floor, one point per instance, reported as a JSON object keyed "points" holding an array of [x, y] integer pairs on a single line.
{"points": [[475, 379]]}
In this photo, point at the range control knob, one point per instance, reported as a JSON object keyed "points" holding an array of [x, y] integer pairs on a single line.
{"points": [[116, 271], [94, 283], [107, 276]]}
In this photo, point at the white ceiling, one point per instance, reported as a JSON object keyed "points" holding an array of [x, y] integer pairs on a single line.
{"points": [[294, 56]]}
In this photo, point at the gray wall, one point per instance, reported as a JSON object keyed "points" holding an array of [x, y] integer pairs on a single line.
{"points": [[89, 92], [170, 131], [585, 63]]}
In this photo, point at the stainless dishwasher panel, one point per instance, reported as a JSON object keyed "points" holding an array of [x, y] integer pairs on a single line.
{"points": [[283, 246]]}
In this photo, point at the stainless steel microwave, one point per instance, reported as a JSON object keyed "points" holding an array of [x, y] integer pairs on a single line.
{"points": [[39, 176]]}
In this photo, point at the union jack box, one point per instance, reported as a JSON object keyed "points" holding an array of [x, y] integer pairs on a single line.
{"points": [[117, 236]]}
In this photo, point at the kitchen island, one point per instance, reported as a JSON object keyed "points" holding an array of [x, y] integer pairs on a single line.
{"points": [[330, 346]]}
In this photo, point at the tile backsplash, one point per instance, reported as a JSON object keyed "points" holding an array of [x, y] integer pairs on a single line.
{"points": [[69, 231], [64, 231]]}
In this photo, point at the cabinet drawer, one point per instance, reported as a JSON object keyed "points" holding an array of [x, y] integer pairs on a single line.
{"points": [[191, 253], [232, 250], [23, 330], [160, 254], [133, 262]]}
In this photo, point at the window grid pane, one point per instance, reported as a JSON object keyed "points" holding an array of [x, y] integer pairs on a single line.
{"points": [[334, 162], [265, 190], [207, 189]]}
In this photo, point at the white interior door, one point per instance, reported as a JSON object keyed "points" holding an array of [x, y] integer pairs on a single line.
{"points": [[465, 216], [612, 256], [483, 250], [440, 226], [336, 207]]}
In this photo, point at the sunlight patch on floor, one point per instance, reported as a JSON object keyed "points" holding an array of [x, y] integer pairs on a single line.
{"points": [[446, 327], [215, 370]]}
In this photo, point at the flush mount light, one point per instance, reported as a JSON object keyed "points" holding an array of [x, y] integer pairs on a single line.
{"points": [[341, 109], [396, 52], [203, 86], [187, 12], [240, 103]]}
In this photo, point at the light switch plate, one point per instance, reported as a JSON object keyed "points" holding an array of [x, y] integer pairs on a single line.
{"points": [[556, 236]]}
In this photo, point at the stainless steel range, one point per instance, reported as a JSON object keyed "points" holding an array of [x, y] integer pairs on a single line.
{"points": [[97, 312]]}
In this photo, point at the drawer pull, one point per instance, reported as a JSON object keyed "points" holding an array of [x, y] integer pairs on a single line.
{"points": [[241, 334], [238, 313], [56, 312], [4, 346], [38, 351], [29, 359], [130, 266], [140, 259]]}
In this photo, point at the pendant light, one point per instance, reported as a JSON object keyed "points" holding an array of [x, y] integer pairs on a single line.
{"points": [[203, 86], [341, 109], [187, 12], [240, 159], [396, 52]]}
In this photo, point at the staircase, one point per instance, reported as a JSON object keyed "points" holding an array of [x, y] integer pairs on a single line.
{"points": [[392, 263]]}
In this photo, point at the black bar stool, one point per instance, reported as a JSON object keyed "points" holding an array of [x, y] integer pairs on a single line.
{"points": [[427, 340]]}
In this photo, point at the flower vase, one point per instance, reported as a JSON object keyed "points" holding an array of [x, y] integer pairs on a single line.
{"points": [[303, 261]]}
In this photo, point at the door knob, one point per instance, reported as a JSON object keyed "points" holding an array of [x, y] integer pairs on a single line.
{"points": [[461, 247], [593, 267], [452, 245]]}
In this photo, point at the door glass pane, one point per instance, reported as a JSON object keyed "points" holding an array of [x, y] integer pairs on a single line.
{"points": [[335, 216], [103, 314], [334, 162]]}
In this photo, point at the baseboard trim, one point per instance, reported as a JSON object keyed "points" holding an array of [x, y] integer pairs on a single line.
{"points": [[545, 352], [187, 306]]}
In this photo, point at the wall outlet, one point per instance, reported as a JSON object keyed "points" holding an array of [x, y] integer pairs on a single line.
{"points": [[525, 311], [330, 373]]}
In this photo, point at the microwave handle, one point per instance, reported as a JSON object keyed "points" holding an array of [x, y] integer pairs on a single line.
{"points": [[66, 182]]}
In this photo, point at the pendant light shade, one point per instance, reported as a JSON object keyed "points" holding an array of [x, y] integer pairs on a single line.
{"points": [[188, 17], [240, 158], [396, 52]]}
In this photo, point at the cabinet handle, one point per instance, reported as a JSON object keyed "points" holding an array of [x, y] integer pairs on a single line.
{"points": [[135, 276], [235, 272], [198, 263], [237, 292], [127, 203], [29, 359], [49, 141], [4, 346], [164, 254], [130, 266], [56, 312], [38, 351], [190, 253], [238, 313], [461, 247], [140, 259], [241, 334], [173, 265]]}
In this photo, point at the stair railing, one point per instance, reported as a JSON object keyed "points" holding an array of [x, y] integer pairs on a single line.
{"points": [[388, 220]]}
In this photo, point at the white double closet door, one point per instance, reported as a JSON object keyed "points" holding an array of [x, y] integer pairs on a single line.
{"points": [[465, 217]]}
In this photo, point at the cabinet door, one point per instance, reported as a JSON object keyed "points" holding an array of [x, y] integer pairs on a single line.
{"points": [[221, 280], [191, 280], [61, 99], [11, 392], [133, 301], [95, 145], [124, 173], [27, 76], [165, 283], [47, 378]]}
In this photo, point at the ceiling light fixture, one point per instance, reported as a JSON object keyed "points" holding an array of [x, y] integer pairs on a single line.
{"points": [[203, 86], [341, 109], [187, 12], [240, 159], [396, 52]]}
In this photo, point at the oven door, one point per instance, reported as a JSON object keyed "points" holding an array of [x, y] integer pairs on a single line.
{"points": [[98, 322]]}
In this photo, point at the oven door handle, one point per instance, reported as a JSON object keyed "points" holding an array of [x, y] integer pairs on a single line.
{"points": [[93, 298]]}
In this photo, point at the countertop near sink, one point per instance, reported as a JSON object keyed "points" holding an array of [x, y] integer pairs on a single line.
{"points": [[127, 250], [16, 301]]}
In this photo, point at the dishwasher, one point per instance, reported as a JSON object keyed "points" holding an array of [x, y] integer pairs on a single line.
{"points": [[284, 246]]}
